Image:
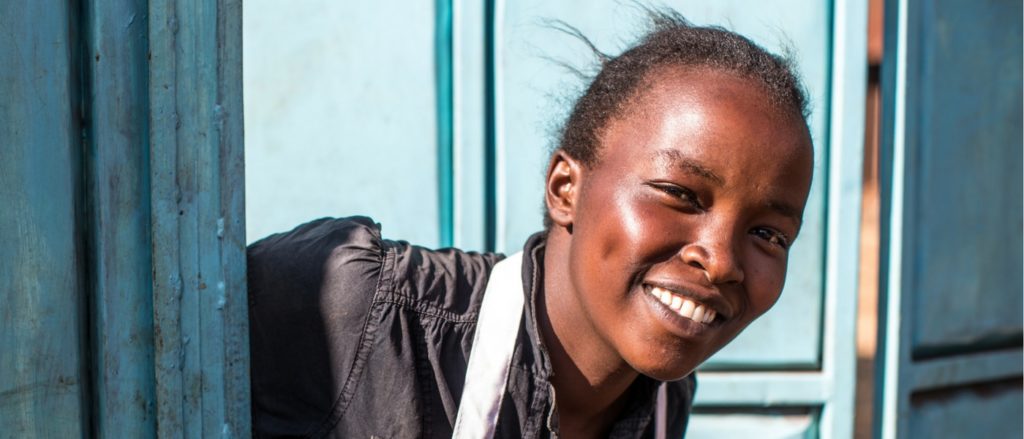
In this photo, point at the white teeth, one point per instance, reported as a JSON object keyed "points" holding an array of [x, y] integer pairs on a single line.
{"points": [[676, 301], [684, 307], [698, 314], [709, 316], [687, 309], [665, 297]]}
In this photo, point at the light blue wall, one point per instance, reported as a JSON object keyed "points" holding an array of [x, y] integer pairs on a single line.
{"points": [[341, 115]]}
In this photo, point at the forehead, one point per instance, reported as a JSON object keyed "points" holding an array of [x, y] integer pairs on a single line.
{"points": [[708, 114], [711, 122]]}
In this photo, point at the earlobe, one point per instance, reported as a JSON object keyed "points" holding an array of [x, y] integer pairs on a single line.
{"points": [[561, 189]]}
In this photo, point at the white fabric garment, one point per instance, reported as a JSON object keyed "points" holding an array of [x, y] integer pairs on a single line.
{"points": [[494, 342], [497, 327]]}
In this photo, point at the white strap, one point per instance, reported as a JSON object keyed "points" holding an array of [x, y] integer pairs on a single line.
{"points": [[497, 328], [661, 413]]}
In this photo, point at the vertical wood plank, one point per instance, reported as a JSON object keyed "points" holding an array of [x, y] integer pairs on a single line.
{"points": [[196, 165], [43, 378], [232, 301], [117, 167]]}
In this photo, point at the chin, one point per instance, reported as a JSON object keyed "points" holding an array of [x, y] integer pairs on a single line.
{"points": [[662, 370], [668, 374]]}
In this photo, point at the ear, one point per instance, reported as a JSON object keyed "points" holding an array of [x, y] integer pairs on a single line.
{"points": [[562, 188]]}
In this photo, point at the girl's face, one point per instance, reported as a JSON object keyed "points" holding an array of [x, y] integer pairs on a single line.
{"points": [[697, 195]]}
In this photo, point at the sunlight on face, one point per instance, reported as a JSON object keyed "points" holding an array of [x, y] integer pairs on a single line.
{"points": [[681, 231]]}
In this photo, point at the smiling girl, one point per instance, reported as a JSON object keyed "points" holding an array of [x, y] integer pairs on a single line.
{"points": [[675, 193]]}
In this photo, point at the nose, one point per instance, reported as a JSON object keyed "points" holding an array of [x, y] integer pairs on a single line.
{"points": [[714, 254]]}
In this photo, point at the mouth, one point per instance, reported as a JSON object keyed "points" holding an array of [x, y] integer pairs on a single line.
{"points": [[689, 309]]}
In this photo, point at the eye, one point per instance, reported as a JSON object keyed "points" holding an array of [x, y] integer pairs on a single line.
{"points": [[773, 237], [683, 194]]}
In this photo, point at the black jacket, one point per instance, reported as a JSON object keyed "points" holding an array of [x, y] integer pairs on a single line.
{"points": [[354, 336]]}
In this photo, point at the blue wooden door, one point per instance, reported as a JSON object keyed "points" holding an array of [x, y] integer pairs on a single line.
{"points": [[438, 121], [122, 230], [951, 322], [43, 356]]}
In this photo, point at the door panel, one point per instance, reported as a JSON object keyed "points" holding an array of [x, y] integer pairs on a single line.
{"points": [[991, 410], [341, 115], [951, 323], [967, 235]]}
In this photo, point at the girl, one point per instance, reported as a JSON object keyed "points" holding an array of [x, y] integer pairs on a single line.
{"points": [[672, 199]]}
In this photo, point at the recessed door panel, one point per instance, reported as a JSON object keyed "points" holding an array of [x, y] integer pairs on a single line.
{"points": [[341, 115], [967, 166]]}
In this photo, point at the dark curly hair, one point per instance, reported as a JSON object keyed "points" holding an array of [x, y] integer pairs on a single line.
{"points": [[672, 41]]}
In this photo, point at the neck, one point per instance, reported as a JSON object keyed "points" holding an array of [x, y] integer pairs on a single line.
{"points": [[590, 378]]}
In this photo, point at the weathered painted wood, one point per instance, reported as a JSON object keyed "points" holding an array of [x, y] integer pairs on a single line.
{"points": [[117, 169], [198, 226], [343, 115], [43, 361], [951, 217], [962, 370], [987, 410]]}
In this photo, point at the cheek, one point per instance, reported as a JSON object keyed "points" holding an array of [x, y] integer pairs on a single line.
{"points": [[764, 281], [615, 227]]}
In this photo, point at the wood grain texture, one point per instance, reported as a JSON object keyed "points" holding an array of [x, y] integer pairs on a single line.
{"points": [[117, 172], [43, 382], [196, 162]]}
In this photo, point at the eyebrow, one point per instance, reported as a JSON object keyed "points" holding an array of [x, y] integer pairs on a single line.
{"points": [[678, 160], [787, 210]]}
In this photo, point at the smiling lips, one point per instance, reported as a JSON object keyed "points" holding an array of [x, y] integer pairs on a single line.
{"points": [[683, 306]]}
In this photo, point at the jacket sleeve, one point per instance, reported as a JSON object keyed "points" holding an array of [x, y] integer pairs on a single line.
{"points": [[310, 291]]}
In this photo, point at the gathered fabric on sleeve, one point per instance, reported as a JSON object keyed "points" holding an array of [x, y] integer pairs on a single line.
{"points": [[310, 291]]}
